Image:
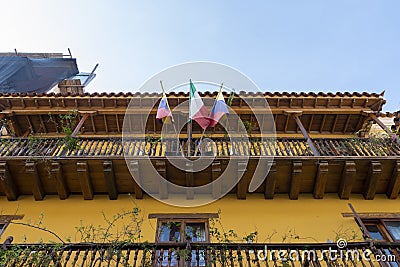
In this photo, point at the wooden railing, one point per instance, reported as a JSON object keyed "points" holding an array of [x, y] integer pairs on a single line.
{"points": [[94, 147], [201, 254]]}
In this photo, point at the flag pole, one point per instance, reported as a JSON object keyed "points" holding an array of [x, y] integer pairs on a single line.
{"points": [[189, 127], [204, 130], [172, 119]]}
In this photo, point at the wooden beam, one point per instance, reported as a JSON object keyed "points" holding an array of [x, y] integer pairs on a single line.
{"points": [[243, 184], [37, 187], [135, 169], [372, 180], [82, 168], [374, 215], [320, 180], [394, 184], [297, 169], [80, 124], [183, 215], [215, 173], [109, 178], [189, 180], [270, 181], [6, 181], [347, 123], [348, 177], [306, 136], [322, 123], [58, 175], [163, 185], [16, 129]]}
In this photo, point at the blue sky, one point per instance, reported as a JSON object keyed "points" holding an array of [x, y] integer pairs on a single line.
{"points": [[283, 45]]}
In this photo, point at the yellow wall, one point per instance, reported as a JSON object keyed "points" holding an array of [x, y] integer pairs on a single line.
{"points": [[312, 219]]}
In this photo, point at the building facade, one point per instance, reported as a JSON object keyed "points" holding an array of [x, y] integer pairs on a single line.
{"points": [[65, 177]]}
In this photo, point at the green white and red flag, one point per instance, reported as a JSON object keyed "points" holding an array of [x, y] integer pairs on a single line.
{"points": [[197, 111]]}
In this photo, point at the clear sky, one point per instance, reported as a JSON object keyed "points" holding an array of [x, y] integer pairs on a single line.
{"points": [[328, 46]]}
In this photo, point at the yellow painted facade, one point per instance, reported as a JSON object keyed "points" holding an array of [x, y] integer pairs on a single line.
{"points": [[310, 219]]}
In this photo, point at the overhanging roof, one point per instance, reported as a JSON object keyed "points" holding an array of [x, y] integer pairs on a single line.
{"points": [[326, 113]]}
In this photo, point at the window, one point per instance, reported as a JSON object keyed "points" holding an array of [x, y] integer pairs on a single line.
{"points": [[383, 229], [182, 230], [172, 228]]}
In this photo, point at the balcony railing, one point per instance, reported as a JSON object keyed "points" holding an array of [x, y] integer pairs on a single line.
{"points": [[106, 147], [202, 254]]}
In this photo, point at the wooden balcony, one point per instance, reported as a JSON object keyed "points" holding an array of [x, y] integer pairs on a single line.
{"points": [[201, 254], [45, 166]]}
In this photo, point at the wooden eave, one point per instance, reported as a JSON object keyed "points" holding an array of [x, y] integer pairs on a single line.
{"points": [[340, 113]]}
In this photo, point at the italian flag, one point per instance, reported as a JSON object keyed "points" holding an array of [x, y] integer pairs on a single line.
{"points": [[197, 111]]}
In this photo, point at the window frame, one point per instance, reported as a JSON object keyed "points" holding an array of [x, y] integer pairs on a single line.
{"points": [[183, 222], [382, 227]]}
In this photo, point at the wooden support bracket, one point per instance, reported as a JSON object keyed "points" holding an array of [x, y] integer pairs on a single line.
{"points": [[321, 179], [109, 178], [6, 181], [348, 177], [58, 175], [135, 169], [394, 184], [270, 181], [37, 187], [215, 173], [189, 180], [372, 180], [163, 185], [243, 184], [82, 168], [297, 169]]}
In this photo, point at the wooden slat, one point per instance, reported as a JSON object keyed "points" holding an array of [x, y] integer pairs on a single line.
{"points": [[297, 169], [58, 175], [82, 168], [243, 184], [37, 187], [161, 168], [215, 173], [321, 179], [348, 177], [394, 184], [189, 180], [109, 178], [135, 169], [372, 180], [7, 183], [270, 182]]}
